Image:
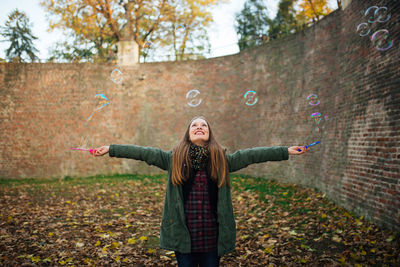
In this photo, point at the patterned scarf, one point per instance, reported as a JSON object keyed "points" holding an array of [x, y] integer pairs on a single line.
{"points": [[199, 156]]}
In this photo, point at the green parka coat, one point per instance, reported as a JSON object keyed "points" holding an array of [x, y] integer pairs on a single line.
{"points": [[174, 234]]}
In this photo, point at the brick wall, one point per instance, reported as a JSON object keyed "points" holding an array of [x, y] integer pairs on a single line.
{"points": [[44, 107]]}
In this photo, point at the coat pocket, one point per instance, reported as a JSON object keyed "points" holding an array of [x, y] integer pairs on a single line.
{"points": [[175, 236]]}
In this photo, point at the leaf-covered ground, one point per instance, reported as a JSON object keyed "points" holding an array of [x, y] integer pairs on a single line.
{"points": [[115, 221]]}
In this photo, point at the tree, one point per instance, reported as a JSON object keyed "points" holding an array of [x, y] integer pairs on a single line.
{"points": [[285, 21], [96, 26], [254, 26], [17, 31], [252, 23], [312, 11]]}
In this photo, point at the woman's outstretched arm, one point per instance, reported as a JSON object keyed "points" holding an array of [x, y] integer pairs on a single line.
{"points": [[151, 155], [243, 158]]}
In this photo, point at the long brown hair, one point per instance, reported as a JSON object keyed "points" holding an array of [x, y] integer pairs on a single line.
{"points": [[181, 163]]}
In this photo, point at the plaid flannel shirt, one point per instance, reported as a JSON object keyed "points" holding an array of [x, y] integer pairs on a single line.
{"points": [[200, 221]]}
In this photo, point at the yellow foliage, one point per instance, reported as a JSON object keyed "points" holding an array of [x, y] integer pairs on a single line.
{"points": [[35, 259], [268, 250], [312, 10], [143, 238], [115, 20], [342, 260]]}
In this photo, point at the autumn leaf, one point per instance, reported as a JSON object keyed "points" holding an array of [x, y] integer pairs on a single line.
{"points": [[35, 259], [292, 232], [390, 238], [336, 239], [143, 238], [268, 250], [342, 260]]}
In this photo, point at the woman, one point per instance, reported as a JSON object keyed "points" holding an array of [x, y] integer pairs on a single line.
{"points": [[198, 221]]}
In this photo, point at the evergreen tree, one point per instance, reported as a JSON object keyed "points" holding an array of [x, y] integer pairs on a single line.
{"points": [[17, 31], [252, 24], [285, 21]]}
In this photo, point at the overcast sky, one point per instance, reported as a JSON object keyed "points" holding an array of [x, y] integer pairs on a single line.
{"points": [[222, 34]]}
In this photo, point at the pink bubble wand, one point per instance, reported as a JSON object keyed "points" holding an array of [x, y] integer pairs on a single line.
{"points": [[91, 151]]}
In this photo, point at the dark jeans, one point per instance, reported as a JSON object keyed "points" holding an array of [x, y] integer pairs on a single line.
{"points": [[206, 259]]}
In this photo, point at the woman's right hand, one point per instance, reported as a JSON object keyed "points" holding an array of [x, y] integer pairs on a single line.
{"points": [[101, 151]]}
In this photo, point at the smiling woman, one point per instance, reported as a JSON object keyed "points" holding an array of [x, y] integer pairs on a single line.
{"points": [[198, 221], [199, 133]]}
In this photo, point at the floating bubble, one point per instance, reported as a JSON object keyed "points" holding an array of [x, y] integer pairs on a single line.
{"points": [[116, 76], [317, 117], [314, 101], [370, 13], [180, 27], [363, 29], [84, 141], [326, 117], [381, 41], [381, 14], [101, 101], [192, 99], [251, 98]]}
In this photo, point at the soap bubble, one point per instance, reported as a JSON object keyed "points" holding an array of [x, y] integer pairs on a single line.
{"points": [[363, 29], [314, 101], [101, 101], [116, 76], [370, 13], [251, 98], [381, 14], [192, 99], [317, 117], [180, 27], [380, 40]]}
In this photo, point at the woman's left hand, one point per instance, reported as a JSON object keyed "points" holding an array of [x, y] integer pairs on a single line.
{"points": [[293, 150]]}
